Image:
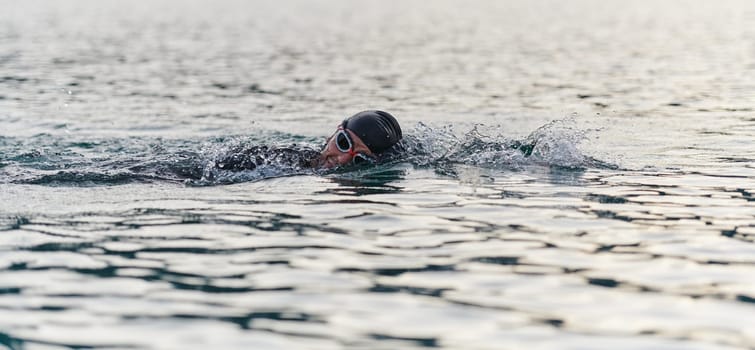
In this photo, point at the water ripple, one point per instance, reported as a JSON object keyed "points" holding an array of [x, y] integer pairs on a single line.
{"points": [[295, 267], [505, 222]]}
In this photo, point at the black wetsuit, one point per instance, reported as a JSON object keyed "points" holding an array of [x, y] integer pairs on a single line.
{"points": [[251, 157]]}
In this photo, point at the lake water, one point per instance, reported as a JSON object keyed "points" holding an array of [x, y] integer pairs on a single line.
{"points": [[630, 226]]}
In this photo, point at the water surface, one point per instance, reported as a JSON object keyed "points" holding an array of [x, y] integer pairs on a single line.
{"points": [[631, 224]]}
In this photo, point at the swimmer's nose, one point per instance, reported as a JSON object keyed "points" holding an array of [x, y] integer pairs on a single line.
{"points": [[343, 158], [335, 160]]}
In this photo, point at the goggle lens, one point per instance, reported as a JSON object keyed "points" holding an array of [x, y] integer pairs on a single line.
{"points": [[360, 159], [343, 142]]}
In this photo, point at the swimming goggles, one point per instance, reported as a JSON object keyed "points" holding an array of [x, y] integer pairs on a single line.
{"points": [[346, 145]]}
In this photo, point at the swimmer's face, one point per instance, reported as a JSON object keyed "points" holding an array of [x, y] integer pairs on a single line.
{"points": [[332, 156]]}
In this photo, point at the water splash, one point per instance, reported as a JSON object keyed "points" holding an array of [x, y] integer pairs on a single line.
{"points": [[49, 160], [244, 159], [556, 143], [54, 160], [553, 144]]}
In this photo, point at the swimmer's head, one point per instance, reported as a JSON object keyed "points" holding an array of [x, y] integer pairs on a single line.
{"points": [[378, 130], [361, 137]]}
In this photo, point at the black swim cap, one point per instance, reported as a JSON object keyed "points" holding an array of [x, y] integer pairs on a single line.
{"points": [[378, 130]]}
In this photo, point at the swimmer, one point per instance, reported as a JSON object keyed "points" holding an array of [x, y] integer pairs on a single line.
{"points": [[363, 138], [360, 139]]}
